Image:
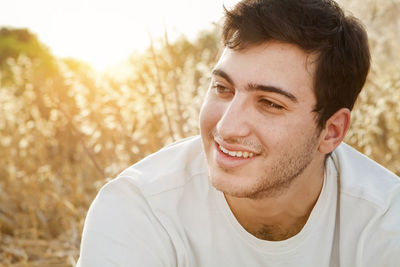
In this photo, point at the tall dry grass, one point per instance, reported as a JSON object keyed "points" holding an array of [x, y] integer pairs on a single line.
{"points": [[375, 128], [64, 133]]}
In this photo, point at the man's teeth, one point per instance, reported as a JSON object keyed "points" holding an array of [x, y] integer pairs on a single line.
{"points": [[238, 154]]}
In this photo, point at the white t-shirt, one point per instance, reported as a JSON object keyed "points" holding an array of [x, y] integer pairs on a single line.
{"points": [[162, 211]]}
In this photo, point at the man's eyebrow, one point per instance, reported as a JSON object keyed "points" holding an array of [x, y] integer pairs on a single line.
{"points": [[272, 89], [223, 74], [257, 87]]}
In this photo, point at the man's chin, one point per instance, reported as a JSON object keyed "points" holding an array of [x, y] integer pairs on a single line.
{"points": [[240, 187], [232, 186]]}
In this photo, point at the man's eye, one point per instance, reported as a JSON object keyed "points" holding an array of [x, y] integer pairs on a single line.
{"points": [[220, 89], [271, 104]]}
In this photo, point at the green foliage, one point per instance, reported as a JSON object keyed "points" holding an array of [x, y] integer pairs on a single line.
{"points": [[20, 42]]}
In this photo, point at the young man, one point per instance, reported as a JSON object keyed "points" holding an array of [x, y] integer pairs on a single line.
{"points": [[269, 182]]}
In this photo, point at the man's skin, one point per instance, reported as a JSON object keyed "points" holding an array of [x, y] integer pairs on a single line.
{"points": [[260, 105]]}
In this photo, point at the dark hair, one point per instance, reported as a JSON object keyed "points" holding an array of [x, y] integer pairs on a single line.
{"points": [[320, 26]]}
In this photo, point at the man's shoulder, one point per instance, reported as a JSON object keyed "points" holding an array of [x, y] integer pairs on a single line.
{"points": [[365, 179], [369, 199], [171, 167]]}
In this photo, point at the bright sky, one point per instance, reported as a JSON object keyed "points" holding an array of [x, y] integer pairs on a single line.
{"points": [[104, 32]]}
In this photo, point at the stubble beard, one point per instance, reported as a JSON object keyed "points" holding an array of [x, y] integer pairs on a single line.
{"points": [[277, 178]]}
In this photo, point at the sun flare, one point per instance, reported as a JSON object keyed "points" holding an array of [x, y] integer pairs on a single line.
{"points": [[104, 33]]}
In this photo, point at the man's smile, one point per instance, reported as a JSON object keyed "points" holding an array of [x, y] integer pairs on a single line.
{"points": [[239, 154], [232, 157]]}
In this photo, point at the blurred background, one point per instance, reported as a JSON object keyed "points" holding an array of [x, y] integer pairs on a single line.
{"points": [[88, 88]]}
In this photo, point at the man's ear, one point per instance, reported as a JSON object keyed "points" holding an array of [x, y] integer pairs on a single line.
{"points": [[334, 131]]}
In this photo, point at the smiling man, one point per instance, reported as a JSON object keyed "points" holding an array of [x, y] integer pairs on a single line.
{"points": [[263, 145], [269, 181]]}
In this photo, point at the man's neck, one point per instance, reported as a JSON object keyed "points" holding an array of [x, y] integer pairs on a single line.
{"points": [[279, 217]]}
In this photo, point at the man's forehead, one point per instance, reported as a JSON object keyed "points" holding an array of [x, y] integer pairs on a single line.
{"points": [[270, 56], [283, 49]]}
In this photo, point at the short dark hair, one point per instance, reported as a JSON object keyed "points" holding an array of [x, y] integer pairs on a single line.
{"points": [[320, 26]]}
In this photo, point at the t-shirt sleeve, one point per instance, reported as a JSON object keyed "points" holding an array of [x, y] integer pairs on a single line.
{"points": [[121, 230], [382, 248]]}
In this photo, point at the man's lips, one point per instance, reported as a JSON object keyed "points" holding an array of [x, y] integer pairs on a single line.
{"points": [[236, 152], [226, 158], [235, 148]]}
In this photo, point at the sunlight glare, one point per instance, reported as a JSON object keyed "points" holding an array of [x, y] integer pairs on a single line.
{"points": [[103, 33]]}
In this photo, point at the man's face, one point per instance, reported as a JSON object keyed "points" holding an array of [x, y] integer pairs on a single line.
{"points": [[257, 126]]}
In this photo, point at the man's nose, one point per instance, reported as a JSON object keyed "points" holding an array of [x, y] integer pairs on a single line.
{"points": [[235, 121]]}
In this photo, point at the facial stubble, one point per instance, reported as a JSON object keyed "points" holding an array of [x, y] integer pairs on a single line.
{"points": [[278, 177]]}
